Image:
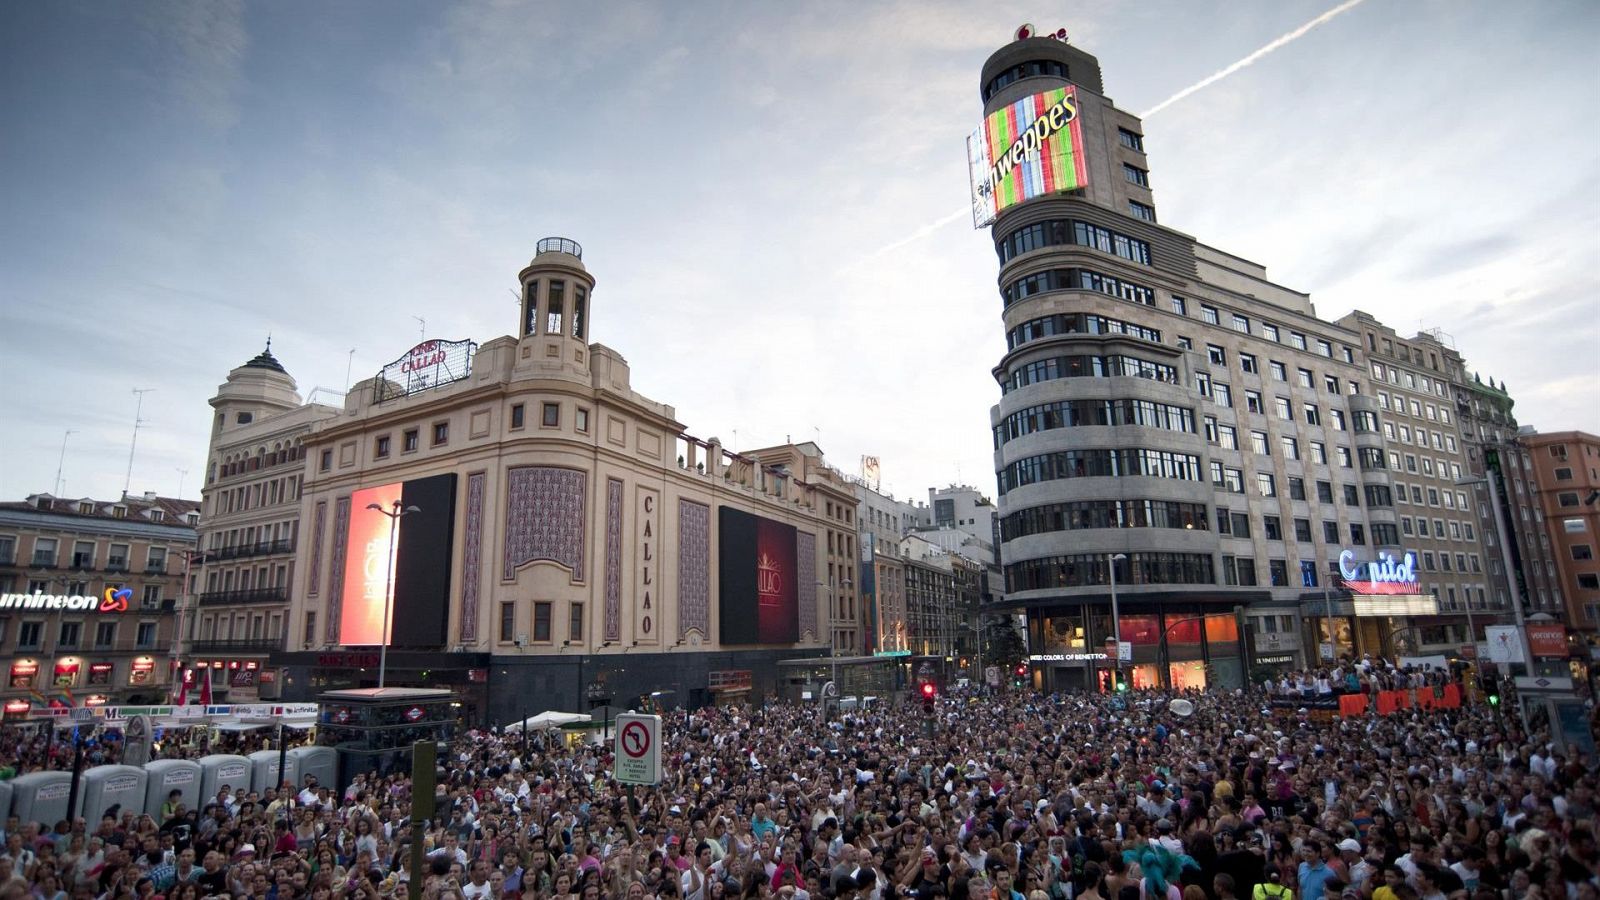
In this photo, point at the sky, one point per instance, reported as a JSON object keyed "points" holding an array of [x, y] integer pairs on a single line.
{"points": [[765, 194]]}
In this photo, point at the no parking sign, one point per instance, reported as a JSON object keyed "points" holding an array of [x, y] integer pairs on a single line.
{"points": [[638, 749]]}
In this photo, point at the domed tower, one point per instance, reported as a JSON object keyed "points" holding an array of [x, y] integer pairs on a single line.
{"points": [[255, 390], [553, 339]]}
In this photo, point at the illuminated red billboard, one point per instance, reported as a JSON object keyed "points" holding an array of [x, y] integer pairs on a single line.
{"points": [[760, 579], [415, 560]]}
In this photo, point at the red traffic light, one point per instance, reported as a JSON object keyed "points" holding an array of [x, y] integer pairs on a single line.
{"points": [[1022, 670], [928, 690]]}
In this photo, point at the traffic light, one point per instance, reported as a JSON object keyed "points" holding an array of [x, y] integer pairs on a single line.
{"points": [[1490, 687], [929, 692], [1122, 682]]}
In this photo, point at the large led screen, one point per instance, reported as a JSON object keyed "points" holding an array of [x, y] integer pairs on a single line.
{"points": [[760, 579], [1024, 150], [419, 568]]}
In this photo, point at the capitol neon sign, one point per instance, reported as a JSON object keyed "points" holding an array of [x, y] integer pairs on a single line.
{"points": [[1385, 575]]}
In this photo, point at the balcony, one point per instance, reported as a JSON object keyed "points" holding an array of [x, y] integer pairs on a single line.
{"points": [[254, 595], [84, 561], [236, 645], [261, 548], [44, 561], [156, 568], [116, 564]]}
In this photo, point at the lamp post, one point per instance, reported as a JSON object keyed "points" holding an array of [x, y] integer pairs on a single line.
{"points": [[833, 651], [388, 589], [1511, 584], [1116, 618]]}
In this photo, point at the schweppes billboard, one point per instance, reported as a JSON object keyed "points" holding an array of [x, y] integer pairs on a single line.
{"points": [[1026, 149]]}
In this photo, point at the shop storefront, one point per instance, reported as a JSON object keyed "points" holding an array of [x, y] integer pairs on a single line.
{"points": [[1194, 648]]}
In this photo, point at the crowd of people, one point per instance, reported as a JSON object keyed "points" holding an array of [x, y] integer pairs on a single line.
{"points": [[1008, 795], [1368, 675]]}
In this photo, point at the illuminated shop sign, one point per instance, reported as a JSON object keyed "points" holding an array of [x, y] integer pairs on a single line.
{"points": [[1068, 657], [1026, 149], [428, 364], [1382, 576], [23, 673], [113, 600]]}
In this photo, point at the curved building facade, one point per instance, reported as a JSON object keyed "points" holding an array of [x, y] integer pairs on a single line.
{"points": [[1170, 421]]}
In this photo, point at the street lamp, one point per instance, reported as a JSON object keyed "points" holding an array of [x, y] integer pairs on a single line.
{"points": [[1116, 620], [388, 586], [833, 650]]}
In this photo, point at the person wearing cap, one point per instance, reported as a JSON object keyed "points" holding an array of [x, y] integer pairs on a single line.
{"points": [[1357, 870]]}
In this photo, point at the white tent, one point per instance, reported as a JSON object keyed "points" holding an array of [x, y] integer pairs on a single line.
{"points": [[549, 719]]}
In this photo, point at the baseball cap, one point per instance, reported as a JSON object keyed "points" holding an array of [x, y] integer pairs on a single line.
{"points": [[1350, 844]]}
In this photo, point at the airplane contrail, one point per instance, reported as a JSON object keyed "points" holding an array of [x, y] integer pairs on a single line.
{"points": [[1217, 76], [1202, 84]]}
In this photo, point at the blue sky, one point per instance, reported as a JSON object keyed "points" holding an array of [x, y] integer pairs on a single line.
{"points": [[178, 179]]}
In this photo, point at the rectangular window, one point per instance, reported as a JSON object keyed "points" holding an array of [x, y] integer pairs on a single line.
{"points": [[441, 433], [508, 621], [381, 448], [309, 638], [1270, 332], [105, 635], [1283, 409], [1297, 340], [1279, 371], [409, 440], [1302, 530], [1221, 394], [1405, 526], [1208, 314], [145, 635], [1130, 140], [1136, 175], [1308, 573], [1227, 437], [1258, 442], [1233, 480], [1297, 488], [550, 415], [1266, 484], [1248, 365], [1313, 417], [1241, 324], [1358, 534], [541, 622], [580, 419], [558, 290], [1185, 343], [1330, 383], [1305, 377], [1142, 210], [1352, 497], [575, 622], [1345, 461], [1336, 416], [517, 415], [1319, 452], [1252, 403], [1278, 571], [68, 637], [326, 462], [1325, 491], [1325, 348], [1272, 528], [1216, 355], [29, 635], [152, 596], [1581, 551], [1291, 447], [1241, 525], [1247, 571], [1180, 305], [1330, 532]]}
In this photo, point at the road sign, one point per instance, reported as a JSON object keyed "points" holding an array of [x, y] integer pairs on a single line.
{"points": [[1543, 683], [1125, 651], [638, 749]]}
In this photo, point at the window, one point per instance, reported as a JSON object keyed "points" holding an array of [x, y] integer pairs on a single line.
{"points": [[1228, 437], [1253, 403], [552, 317], [1136, 175], [1266, 484], [1279, 371], [29, 635], [1405, 526], [1180, 305], [1283, 409], [67, 639], [1297, 340], [1566, 499], [575, 622], [1185, 343], [105, 635], [1325, 348], [1336, 416], [82, 555], [381, 447], [1248, 365], [1247, 571], [541, 622], [408, 440], [1130, 140], [580, 419], [1208, 314], [1319, 452], [117, 559], [1272, 527], [1330, 383], [1313, 417], [1278, 571], [309, 637], [1241, 324], [1302, 530], [1305, 377], [1258, 442], [1240, 523], [1270, 332], [550, 415], [441, 433], [1142, 210], [1216, 355], [1233, 481], [1211, 429], [1345, 461], [326, 462], [1308, 574], [1358, 534], [1291, 448], [1297, 488], [517, 415], [1581, 551], [44, 552], [1352, 497], [1221, 394], [1330, 532], [1589, 582], [145, 635], [152, 596]]}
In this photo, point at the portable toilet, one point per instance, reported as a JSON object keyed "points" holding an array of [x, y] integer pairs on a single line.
{"points": [[164, 776], [323, 762], [222, 770], [107, 786], [264, 770], [41, 797]]}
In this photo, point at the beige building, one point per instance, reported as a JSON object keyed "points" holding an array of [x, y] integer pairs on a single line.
{"points": [[251, 529], [562, 540], [88, 598], [1566, 467]]}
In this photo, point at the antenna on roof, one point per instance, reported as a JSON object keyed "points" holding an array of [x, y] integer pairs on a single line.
{"points": [[62, 461], [138, 420]]}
